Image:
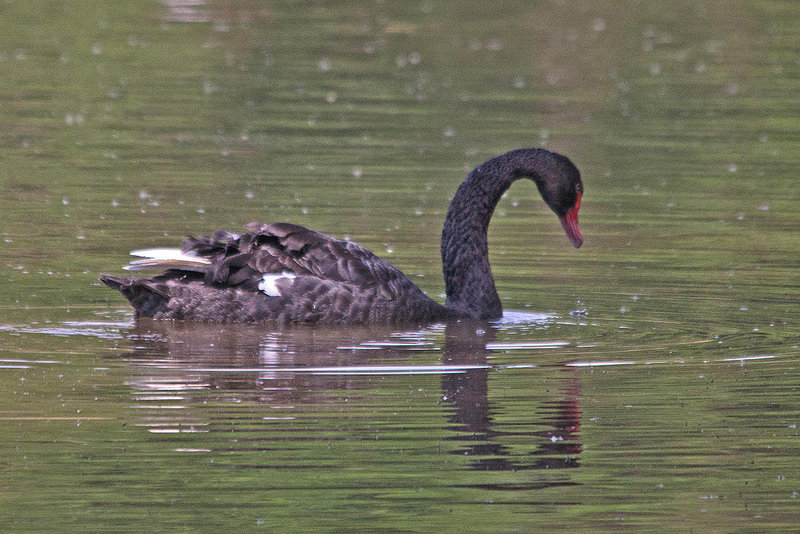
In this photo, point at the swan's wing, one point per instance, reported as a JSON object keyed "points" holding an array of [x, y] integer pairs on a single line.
{"points": [[166, 258], [243, 260], [278, 272]]}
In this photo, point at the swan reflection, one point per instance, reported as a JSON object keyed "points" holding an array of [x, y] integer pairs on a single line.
{"points": [[305, 383]]}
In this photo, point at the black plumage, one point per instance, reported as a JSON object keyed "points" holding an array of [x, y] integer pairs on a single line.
{"points": [[314, 278]]}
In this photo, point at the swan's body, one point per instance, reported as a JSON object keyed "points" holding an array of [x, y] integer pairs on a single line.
{"points": [[286, 273]]}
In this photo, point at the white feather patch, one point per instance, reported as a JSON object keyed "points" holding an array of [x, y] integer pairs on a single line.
{"points": [[267, 284], [165, 258], [167, 254]]}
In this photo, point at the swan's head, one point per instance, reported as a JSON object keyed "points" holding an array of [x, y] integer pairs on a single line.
{"points": [[559, 183]]}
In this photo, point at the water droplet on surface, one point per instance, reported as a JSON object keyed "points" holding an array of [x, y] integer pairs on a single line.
{"points": [[209, 88], [494, 44]]}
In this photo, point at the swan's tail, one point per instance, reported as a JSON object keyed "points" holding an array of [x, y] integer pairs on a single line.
{"points": [[143, 294]]}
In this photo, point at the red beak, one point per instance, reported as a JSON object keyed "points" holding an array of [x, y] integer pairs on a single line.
{"points": [[570, 224]]}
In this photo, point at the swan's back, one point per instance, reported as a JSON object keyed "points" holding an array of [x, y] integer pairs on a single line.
{"points": [[277, 272]]}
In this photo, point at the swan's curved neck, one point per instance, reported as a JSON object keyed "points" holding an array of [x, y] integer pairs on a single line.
{"points": [[469, 284]]}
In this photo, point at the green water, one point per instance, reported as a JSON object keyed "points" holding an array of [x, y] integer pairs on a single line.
{"points": [[648, 381]]}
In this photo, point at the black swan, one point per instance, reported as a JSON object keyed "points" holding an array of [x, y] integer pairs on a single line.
{"points": [[286, 273]]}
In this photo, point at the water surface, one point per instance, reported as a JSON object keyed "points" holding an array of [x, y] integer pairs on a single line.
{"points": [[648, 379]]}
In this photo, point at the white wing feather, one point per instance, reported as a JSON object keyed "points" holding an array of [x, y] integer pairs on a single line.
{"points": [[166, 258]]}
